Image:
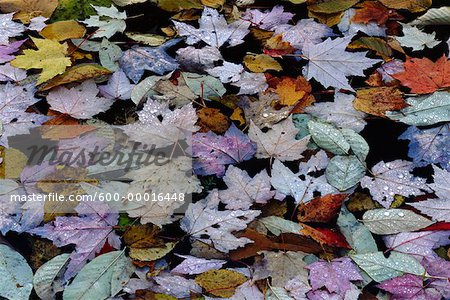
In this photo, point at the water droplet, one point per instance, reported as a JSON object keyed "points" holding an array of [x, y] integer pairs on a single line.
{"points": [[400, 214]]}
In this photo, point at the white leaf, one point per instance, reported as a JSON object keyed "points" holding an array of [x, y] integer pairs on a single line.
{"points": [[112, 21], [176, 286], [326, 136], [198, 60], [192, 265], [290, 184], [305, 31], [393, 178], [229, 72], [80, 102], [214, 30], [329, 63], [268, 20], [340, 112], [201, 220], [46, 282], [103, 277], [251, 83], [416, 39], [277, 293], [16, 276], [380, 268], [279, 142], [118, 87], [434, 16], [243, 190], [284, 266], [389, 221], [127, 2], [441, 185], [10, 73], [37, 23], [9, 28]]}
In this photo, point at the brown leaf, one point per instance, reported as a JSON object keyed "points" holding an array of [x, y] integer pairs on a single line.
{"points": [[379, 45], [63, 30], [330, 6], [376, 101], [212, 119], [142, 236], [28, 9], [260, 63], [424, 76], [322, 209], [411, 5], [326, 236], [374, 11], [275, 46]]}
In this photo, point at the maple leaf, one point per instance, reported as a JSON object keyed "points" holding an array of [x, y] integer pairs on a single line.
{"points": [[111, 21], [439, 268], [161, 126], [305, 31], [409, 286], [416, 39], [429, 146], [138, 59], [14, 101], [292, 90], [341, 112], [393, 178], [50, 57], [335, 275], [243, 190], [350, 28], [214, 30], [423, 76], [9, 73], [37, 23], [80, 102], [228, 72], [302, 190], [322, 209], [204, 222], [417, 244], [213, 152], [198, 60], [329, 63], [267, 20], [118, 87], [9, 28], [175, 285], [279, 142], [251, 83], [89, 232], [439, 208], [372, 11], [7, 50]]}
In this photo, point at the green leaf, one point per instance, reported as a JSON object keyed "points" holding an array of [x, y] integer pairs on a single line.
{"points": [[102, 278], [434, 16], [380, 268], [357, 143], [344, 172], [425, 110], [77, 9], [391, 221], [356, 234], [144, 89], [278, 225], [332, 6], [16, 275], [45, 280], [204, 85], [109, 55], [328, 137]]}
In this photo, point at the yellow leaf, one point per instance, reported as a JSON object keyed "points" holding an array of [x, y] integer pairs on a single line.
{"points": [[238, 115], [147, 38], [411, 5], [50, 57], [291, 90], [327, 19], [221, 283], [331, 6], [63, 30], [28, 9], [179, 5], [213, 3], [261, 62], [151, 254], [77, 73]]}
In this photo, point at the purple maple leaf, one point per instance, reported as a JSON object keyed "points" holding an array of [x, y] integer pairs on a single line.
{"points": [[409, 287], [89, 232], [439, 268], [335, 276], [7, 50], [213, 152], [268, 20]]}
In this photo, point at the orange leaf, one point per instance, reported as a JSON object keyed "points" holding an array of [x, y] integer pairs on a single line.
{"points": [[321, 209], [212, 119], [275, 46], [376, 101], [424, 76], [292, 90]]}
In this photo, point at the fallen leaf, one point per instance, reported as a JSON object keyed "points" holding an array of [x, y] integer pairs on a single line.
{"points": [[413, 6], [63, 30], [220, 283], [322, 209], [25, 10], [261, 63], [326, 236], [212, 119], [292, 90], [330, 6], [376, 101]]}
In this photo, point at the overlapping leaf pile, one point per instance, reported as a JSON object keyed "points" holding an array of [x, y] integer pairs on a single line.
{"points": [[276, 96]]}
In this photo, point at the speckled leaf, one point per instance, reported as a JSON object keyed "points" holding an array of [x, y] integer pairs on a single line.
{"points": [[17, 276], [390, 221], [380, 268], [46, 282], [344, 172]]}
